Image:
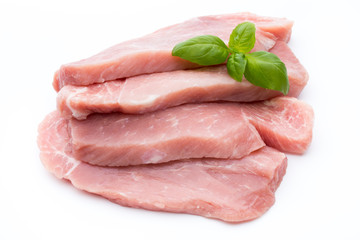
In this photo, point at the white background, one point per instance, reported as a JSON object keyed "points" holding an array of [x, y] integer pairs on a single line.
{"points": [[319, 197]]}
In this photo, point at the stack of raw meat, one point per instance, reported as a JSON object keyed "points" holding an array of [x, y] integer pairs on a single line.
{"points": [[148, 130]]}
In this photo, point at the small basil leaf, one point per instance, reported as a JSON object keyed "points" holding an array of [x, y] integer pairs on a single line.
{"points": [[236, 66], [203, 50], [266, 70], [242, 38]]}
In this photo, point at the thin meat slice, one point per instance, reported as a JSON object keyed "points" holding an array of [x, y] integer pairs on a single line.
{"points": [[212, 130], [187, 131], [151, 92], [283, 123], [152, 53], [230, 190]]}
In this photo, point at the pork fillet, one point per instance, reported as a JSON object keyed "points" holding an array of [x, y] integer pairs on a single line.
{"points": [[283, 123], [230, 190], [151, 92], [187, 131], [152, 53], [212, 130]]}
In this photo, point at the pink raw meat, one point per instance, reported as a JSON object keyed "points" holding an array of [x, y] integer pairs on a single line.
{"points": [[213, 130], [283, 123], [152, 53], [150, 92], [187, 131], [230, 190]]}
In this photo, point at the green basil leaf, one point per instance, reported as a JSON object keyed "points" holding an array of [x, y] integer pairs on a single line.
{"points": [[266, 70], [203, 50], [236, 66], [242, 38]]}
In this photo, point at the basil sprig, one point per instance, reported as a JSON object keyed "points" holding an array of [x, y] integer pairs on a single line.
{"points": [[263, 69]]}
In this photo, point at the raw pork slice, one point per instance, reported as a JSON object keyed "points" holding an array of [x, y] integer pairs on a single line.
{"points": [[212, 130], [150, 92], [187, 131], [283, 123], [152, 53], [230, 190]]}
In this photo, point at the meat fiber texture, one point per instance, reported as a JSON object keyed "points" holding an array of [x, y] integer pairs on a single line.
{"points": [[152, 53], [187, 131], [212, 130], [233, 190], [151, 92]]}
